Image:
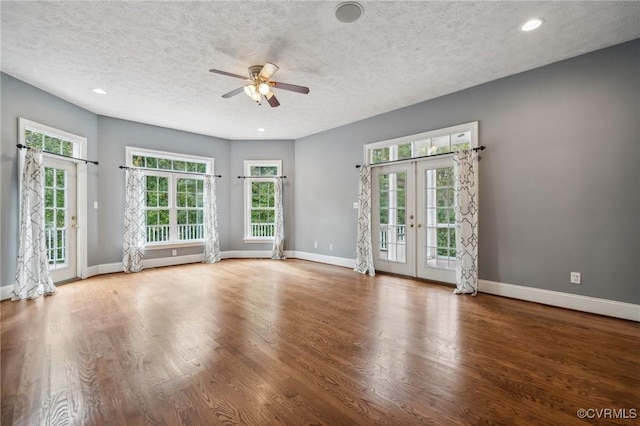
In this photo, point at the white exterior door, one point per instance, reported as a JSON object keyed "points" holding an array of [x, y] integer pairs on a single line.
{"points": [[436, 248], [392, 217], [413, 222], [61, 218]]}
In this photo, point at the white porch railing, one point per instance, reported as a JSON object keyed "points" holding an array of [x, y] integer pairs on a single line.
{"points": [[262, 229], [156, 233], [56, 254], [401, 231], [159, 233], [191, 232]]}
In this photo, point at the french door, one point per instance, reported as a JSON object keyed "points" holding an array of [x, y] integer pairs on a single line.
{"points": [[60, 191], [413, 220]]}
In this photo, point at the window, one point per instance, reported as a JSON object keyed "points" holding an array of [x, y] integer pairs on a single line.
{"points": [[259, 199], [174, 200], [422, 145]]}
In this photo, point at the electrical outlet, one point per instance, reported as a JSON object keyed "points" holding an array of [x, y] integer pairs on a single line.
{"points": [[575, 278], [315, 244], [174, 252], [330, 247]]}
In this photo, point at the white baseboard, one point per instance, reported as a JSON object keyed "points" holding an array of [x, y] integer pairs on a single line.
{"points": [[612, 308], [322, 258], [5, 292]]}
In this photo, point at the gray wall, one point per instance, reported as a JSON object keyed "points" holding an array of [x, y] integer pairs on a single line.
{"points": [[114, 136], [260, 150], [559, 182], [22, 100]]}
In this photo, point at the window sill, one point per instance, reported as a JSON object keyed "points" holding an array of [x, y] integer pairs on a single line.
{"points": [[173, 244], [258, 240]]}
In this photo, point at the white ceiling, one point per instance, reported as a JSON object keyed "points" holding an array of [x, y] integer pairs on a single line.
{"points": [[153, 57]]}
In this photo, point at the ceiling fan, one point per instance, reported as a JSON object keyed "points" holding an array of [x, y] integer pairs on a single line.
{"points": [[259, 84]]}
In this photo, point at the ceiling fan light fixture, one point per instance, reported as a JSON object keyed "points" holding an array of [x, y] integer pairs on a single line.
{"points": [[256, 96], [250, 89], [264, 88]]}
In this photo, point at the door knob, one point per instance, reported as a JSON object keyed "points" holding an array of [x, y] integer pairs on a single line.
{"points": [[419, 225], [411, 225]]}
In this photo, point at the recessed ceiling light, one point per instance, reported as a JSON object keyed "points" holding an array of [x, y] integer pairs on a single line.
{"points": [[349, 11], [532, 24], [261, 129], [100, 91]]}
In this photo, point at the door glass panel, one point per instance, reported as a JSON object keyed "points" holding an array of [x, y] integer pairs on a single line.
{"points": [[55, 190], [392, 206], [440, 239]]}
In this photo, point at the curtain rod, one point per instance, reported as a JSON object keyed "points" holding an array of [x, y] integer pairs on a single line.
{"points": [[20, 146], [260, 177], [167, 171], [480, 148]]}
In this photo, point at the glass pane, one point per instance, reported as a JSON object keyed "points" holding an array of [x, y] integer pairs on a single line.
{"points": [[179, 165], [163, 199], [379, 155], [67, 148], [163, 217], [152, 217], [163, 184], [165, 164], [404, 151], [181, 199], [52, 144], [48, 197], [152, 163], [191, 167], [137, 161], [182, 217], [60, 218], [202, 168], [48, 176], [60, 198], [60, 177], [152, 183], [48, 218], [33, 139], [152, 199]]}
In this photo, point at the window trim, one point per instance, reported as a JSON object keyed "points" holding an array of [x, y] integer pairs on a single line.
{"points": [[173, 176], [248, 238]]}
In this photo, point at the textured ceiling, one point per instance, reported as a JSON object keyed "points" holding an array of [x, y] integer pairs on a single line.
{"points": [[153, 57]]}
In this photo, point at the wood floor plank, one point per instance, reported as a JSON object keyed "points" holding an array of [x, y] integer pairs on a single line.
{"points": [[261, 342]]}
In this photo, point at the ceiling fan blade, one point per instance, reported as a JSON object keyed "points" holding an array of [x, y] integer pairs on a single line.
{"points": [[290, 87], [271, 98], [267, 71], [230, 74], [233, 92]]}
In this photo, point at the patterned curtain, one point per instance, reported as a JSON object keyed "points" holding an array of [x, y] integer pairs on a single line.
{"points": [[466, 210], [278, 231], [364, 249], [32, 276], [211, 239], [134, 221]]}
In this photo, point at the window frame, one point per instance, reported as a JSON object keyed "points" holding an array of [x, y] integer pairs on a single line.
{"points": [[248, 238], [173, 176]]}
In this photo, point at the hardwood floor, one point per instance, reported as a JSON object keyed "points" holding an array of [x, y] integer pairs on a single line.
{"points": [[264, 342]]}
